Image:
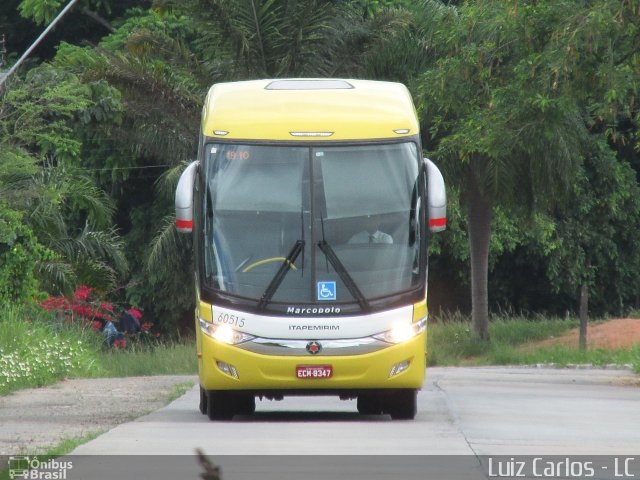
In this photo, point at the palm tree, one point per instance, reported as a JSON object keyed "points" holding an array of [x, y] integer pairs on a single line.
{"points": [[397, 44], [71, 217], [269, 38], [155, 83], [68, 214]]}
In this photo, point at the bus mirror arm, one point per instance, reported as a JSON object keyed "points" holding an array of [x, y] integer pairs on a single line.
{"points": [[436, 197], [184, 198]]}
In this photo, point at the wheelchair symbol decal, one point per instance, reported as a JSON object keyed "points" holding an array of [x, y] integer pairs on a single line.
{"points": [[326, 290]]}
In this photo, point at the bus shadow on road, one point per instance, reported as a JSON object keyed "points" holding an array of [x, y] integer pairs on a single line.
{"points": [[306, 416]]}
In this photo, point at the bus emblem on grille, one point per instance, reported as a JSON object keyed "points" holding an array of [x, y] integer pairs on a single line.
{"points": [[314, 348]]}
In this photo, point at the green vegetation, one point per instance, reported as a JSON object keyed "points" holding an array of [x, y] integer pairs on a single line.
{"points": [[38, 350], [177, 358], [527, 105], [179, 390], [513, 342], [33, 353], [450, 341], [67, 445], [529, 108], [562, 356]]}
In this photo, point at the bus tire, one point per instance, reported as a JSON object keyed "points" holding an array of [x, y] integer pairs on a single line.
{"points": [[245, 404], [203, 401], [369, 404], [403, 404], [219, 406]]}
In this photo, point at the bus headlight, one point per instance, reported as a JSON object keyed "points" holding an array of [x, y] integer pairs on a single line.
{"points": [[224, 333], [403, 332]]}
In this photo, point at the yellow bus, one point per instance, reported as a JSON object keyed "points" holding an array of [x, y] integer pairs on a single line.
{"points": [[310, 207]]}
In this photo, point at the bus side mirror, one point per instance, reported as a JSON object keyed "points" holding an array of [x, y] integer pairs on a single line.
{"points": [[437, 198], [184, 199]]}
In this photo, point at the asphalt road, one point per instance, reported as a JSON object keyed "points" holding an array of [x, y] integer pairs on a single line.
{"points": [[465, 412]]}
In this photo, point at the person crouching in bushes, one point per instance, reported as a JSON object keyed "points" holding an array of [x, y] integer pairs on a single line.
{"points": [[130, 321], [111, 334]]}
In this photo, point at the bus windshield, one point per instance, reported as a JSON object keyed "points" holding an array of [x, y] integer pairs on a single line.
{"points": [[311, 225]]}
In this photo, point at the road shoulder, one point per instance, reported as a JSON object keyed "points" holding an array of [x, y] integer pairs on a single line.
{"points": [[34, 420]]}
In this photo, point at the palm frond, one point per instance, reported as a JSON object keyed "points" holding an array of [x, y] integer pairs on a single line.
{"points": [[85, 195], [166, 185], [95, 257], [105, 245], [161, 96], [17, 168], [167, 247], [96, 273], [397, 44], [62, 191], [57, 276]]}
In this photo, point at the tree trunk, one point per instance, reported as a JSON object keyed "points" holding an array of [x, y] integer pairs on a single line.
{"points": [[584, 314], [479, 212]]}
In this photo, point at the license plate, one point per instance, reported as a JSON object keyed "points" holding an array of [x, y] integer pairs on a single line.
{"points": [[314, 372]]}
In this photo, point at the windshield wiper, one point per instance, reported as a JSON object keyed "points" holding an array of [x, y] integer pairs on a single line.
{"points": [[344, 275], [277, 279]]}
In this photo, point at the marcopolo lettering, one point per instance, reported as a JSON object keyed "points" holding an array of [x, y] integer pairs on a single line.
{"points": [[312, 310]]}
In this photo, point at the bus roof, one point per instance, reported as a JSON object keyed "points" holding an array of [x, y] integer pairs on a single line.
{"points": [[309, 109]]}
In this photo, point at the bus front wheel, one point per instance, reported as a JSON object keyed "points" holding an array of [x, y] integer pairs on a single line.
{"points": [[224, 405], [219, 406], [203, 401], [369, 404], [402, 404]]}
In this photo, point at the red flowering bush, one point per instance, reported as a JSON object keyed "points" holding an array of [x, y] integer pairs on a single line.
{"points": [[87, 309], [82, 308]]}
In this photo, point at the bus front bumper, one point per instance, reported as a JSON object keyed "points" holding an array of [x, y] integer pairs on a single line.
{"points": [[228, 367]]}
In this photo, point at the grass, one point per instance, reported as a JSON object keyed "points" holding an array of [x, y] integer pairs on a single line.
{"points": [[179, 390], [68, 445], [562, 356], [37, 350], [161, 359], [39, 353], [450, 342]]}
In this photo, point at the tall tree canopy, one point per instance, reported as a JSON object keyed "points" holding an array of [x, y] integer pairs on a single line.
{"points": [[503, 134], [530, 108]]}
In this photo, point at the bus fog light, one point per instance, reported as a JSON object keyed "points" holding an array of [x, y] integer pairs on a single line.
{"points": [[399, 368], [228, 369]]}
